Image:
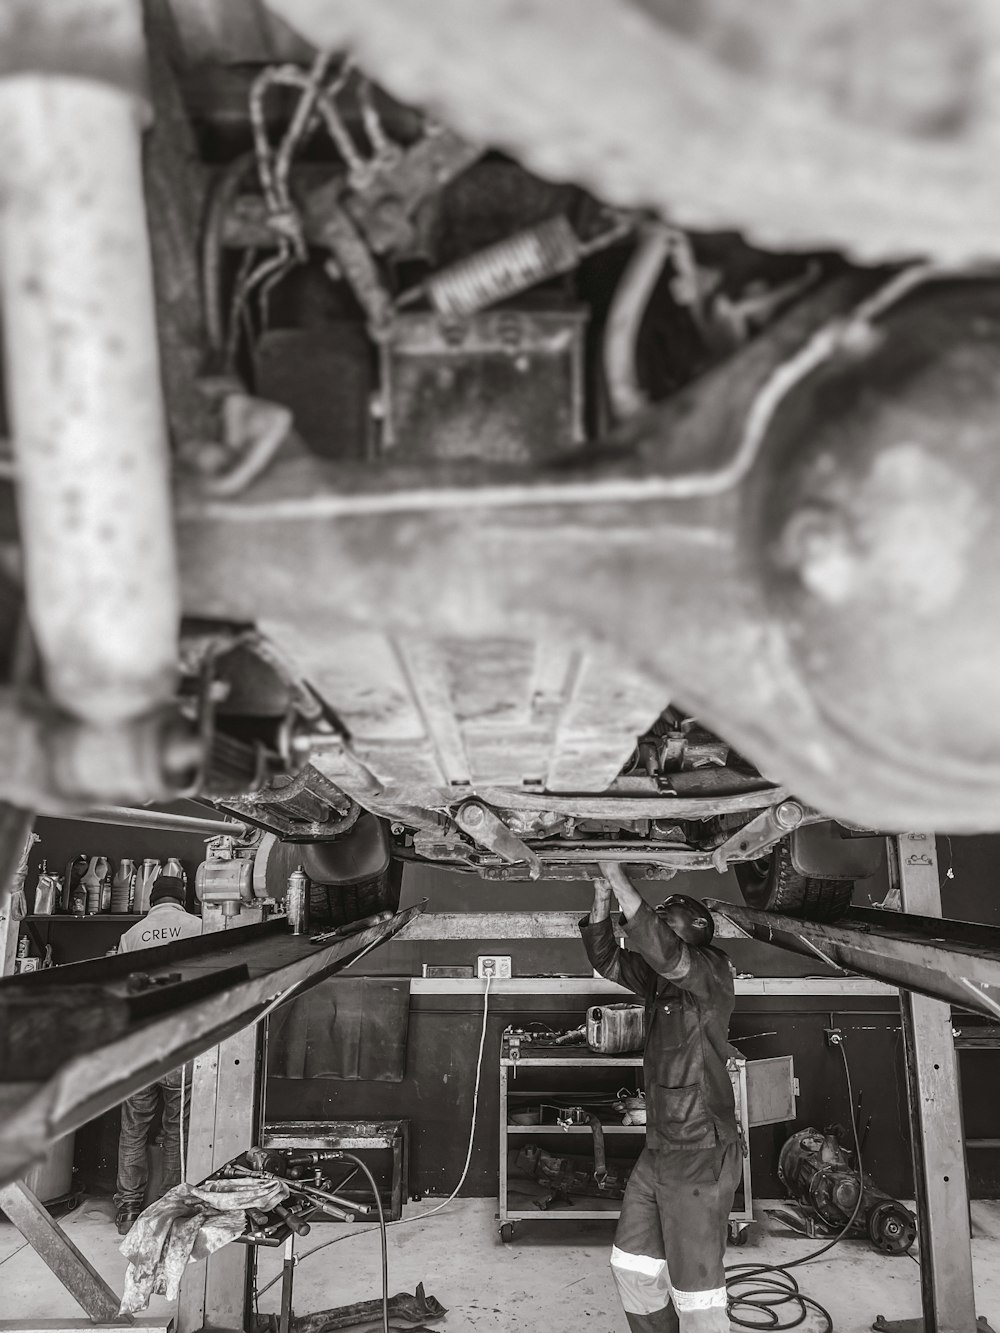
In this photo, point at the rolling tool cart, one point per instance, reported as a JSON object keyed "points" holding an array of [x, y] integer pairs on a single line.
{"points": [[542, 1110]]}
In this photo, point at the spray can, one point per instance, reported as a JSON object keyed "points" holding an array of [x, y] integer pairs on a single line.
{"points": [[297, 901], [25, 962]]}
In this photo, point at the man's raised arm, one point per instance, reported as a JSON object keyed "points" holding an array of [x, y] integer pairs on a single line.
{"points": [[665, 953], [602, 948]]}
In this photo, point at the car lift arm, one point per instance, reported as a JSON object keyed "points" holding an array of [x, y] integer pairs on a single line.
{"points": [[215, 985], [954, 961]]}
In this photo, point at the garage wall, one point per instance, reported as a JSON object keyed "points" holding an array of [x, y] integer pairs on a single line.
{"points": [[444, 1036]]}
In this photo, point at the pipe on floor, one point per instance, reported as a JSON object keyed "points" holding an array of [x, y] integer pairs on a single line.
{"points": [[82, 361]]}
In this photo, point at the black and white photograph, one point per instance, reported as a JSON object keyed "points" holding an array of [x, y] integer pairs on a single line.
{"points": [[499, 666]]}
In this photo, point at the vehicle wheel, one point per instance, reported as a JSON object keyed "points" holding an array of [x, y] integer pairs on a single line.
{"points": [[333, 905], [774, 884], [507, 1232], [738, 1235], [351, 876]]}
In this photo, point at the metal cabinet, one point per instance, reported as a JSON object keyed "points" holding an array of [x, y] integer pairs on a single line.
{"points": [[764, 1092]]}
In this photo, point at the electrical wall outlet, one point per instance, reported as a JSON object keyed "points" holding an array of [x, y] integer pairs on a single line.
{"points": [[834, 1036], [493, 965]]}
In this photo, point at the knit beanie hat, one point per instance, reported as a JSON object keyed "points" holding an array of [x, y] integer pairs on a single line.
{"points": [[167, 886]]}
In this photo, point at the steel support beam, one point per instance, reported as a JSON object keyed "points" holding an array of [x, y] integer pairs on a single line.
{"points": [[223, 985], [47, 1238], [946, 1280], [226, 1116]]}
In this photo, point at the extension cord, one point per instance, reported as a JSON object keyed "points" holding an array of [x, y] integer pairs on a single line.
{"points": [[419, 1217]]}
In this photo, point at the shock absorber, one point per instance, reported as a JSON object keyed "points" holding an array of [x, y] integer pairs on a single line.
{"points": [[82, 362]]}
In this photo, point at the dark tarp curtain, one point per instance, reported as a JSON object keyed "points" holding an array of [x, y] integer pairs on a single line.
{"points": [[346, 1027]]}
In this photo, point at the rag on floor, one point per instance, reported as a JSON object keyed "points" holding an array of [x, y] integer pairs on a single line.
{"points": [[189, 1223]]}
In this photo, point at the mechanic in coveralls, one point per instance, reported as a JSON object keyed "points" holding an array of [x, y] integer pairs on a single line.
{"points": [[165, 922], [670, 1243]]}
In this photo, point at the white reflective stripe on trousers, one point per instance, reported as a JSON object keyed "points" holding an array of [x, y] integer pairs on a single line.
{"points": [[700, 1300], [702, 1311], [643, 1282]]}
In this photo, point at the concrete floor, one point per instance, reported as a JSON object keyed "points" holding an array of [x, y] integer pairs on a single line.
{"points": [[554, 1276]]}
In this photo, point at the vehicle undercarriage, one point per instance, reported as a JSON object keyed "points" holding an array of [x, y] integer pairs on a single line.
{"points": [[530, 496]]}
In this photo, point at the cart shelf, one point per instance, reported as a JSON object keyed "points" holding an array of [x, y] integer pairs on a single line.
{"points": [[612, 1128], [521, 1067]]}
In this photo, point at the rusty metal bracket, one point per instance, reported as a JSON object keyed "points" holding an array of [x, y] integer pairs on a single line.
{"points": [[54, 1247], [385, 206], [355, 264], [488, 830], [769, 827]]}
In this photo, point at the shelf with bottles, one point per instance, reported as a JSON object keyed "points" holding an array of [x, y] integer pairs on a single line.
{"points": [[96, 888]]}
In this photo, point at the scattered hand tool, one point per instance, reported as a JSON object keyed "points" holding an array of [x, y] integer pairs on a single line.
{"points": [[334, 1204], [279, 1210], [353, 928], [402, 1306]]}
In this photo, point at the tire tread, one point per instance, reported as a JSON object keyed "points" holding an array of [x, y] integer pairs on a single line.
{"points": [[786, 891], [332, 905]]}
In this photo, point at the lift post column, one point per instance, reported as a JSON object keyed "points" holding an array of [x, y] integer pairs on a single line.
{"points": [[942, 1195], [226, 1114]]}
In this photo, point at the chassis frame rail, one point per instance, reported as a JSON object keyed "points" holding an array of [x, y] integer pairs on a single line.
{"points": [[217, 984], [957, 962]]}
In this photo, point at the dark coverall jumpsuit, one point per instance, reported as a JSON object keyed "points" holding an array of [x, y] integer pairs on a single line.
{"points": [[669, 1248]]}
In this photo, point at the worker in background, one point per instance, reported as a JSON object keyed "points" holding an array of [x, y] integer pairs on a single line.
{"points": [[165, 922], [669, 1248]]}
